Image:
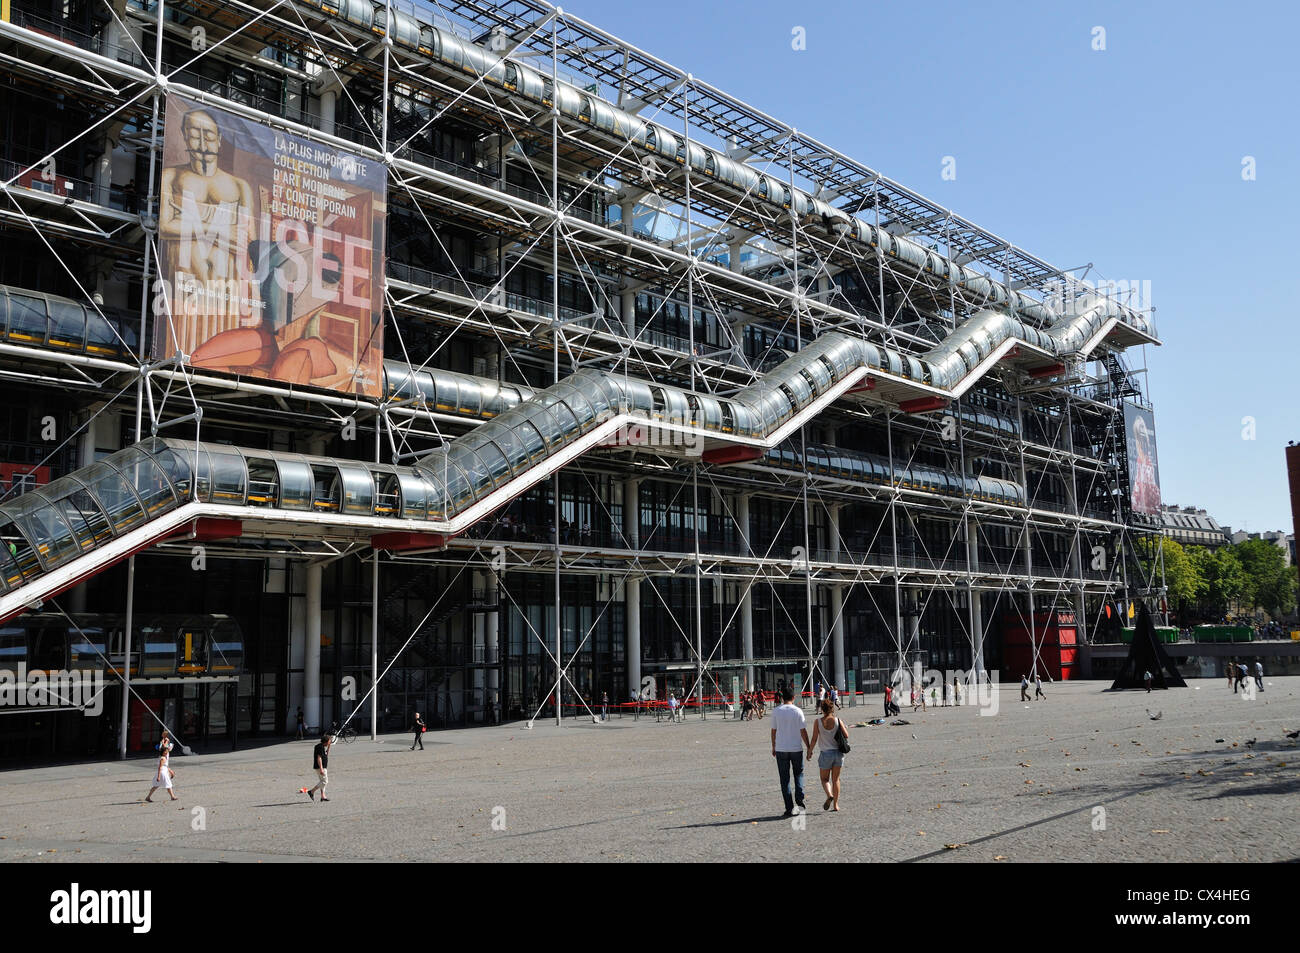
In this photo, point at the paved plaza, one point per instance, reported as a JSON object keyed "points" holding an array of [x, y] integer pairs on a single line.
{"points": [[1084, 776]]}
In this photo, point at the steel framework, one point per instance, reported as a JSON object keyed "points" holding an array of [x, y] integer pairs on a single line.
{"points": [[567, 211]]}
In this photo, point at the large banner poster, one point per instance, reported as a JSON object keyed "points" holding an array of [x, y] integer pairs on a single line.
{"points": [[271, 253], [1143, 467]]}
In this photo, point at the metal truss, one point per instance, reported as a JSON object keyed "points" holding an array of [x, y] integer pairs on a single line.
{"points": [[794, 288]]}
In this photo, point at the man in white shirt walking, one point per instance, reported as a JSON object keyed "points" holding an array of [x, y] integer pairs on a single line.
{"points": [[788, 731]]}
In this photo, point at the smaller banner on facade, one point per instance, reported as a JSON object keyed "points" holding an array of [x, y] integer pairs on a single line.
{"points": [[1143, 467]]}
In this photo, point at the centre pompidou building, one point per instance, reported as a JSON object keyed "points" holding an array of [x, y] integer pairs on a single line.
{"points": [[373, 357]]}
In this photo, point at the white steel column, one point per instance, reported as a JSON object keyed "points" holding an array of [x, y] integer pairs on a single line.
{"points": [[747, 591], [632, 588], [478, 634], [837, 597], [733, 253], [313, 574], [143, 351], [492, 645], [976, 609], [837, 634], [311, 706], [104, 174], [327, 101], [628, 298]]}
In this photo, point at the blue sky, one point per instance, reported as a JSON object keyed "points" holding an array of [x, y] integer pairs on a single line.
{"points": [[1130, 158]]}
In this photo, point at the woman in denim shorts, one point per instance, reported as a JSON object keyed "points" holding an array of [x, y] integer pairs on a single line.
{"points": [[830, 759]]}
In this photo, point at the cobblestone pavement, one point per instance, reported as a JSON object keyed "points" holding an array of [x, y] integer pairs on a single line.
{"points": [[1085, 775]]}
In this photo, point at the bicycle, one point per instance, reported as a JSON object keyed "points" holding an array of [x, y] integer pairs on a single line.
{"points": [[347, 734]]}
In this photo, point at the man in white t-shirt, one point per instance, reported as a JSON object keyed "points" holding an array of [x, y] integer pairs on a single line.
{"points": [[788, 729]]}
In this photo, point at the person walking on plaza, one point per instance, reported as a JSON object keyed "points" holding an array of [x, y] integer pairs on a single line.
{"points": [[830, 759], [1259, 674], [302, 725], [604, 706], [164, 776], [1024, 688], [419, 732], [889, 694], [1146, 680], [320, 762], [1038, 688], [789, 739]]}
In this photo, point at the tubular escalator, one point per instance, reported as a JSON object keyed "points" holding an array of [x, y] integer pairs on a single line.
{"points": [[61, 533]]}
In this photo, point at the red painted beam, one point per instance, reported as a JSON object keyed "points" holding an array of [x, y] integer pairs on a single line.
{"points": [[207, 528], [1047, 370], [1014, 352], [869, 385], [722, 456], [400, 542], [921, 404]]}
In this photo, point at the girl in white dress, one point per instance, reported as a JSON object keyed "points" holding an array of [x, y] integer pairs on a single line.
{"points": [[164, 775]]}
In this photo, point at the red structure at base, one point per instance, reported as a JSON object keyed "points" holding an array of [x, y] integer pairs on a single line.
{"points": [[722, 456], [1056, 636], [1293, 480]]}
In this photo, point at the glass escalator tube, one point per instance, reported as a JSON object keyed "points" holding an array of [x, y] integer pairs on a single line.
{"points": [[358, 488], [449, 483], [530, 440], [177, 467], [146, 477], [414, 493], [51, 539], [435, 494], [563, 419], [295, 479], [229, 474], [116, 497], [80, 511], [496, 466], [571, 395], [399, 381]]}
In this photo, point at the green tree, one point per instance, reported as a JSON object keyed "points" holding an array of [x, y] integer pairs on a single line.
{"points": [[1225, 580], [1183, 575], [1269, 582], [1184, 579]]}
